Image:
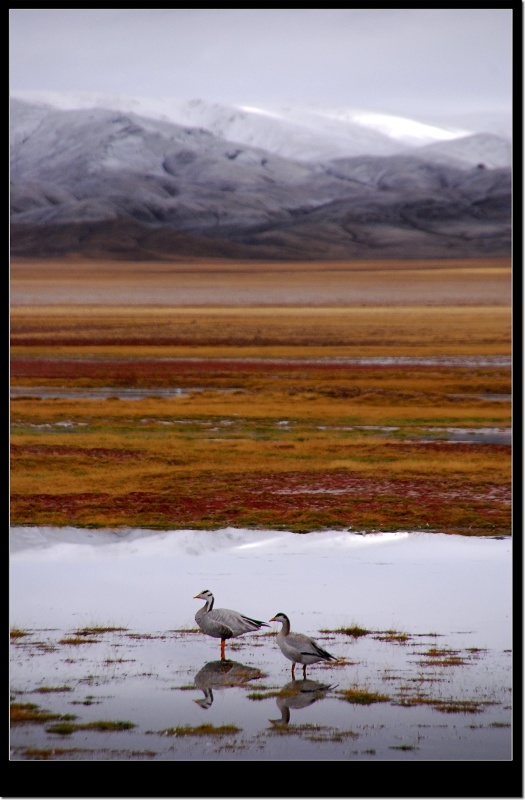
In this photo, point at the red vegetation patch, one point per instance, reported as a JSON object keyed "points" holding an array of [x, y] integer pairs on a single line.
{"points": [[102, 453], [294, 501], [164, 370]]}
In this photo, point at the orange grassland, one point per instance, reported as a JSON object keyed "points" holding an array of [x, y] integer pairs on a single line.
{"points": [[273, 427]]}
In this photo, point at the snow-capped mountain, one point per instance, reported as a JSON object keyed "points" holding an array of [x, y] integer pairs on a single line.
{"points": [[154, 178], [304, 134]]}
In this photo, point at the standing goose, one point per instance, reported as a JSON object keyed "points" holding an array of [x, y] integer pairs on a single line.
{"points": [[223, 623], [300, 649]]}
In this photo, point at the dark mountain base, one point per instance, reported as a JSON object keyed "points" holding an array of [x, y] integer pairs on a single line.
{"points": [[125, 239]]}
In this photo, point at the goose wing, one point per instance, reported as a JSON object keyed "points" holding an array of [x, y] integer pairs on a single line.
{"points": [[233, 621], [305, 648], [214, 624], [253, 624], [324, 654]]}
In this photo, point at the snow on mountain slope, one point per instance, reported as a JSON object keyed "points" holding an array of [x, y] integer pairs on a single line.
{"points": [[249, 182], [480, 148], [284, 134], [308, 134]]}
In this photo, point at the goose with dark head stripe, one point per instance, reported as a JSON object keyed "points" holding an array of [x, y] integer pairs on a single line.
{"points": [[297, 647], [223, 623]]}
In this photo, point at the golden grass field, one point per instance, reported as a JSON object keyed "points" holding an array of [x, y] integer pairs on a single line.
{"points": [[274, 429]]}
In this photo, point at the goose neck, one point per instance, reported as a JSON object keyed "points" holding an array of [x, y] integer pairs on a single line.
{"points": [[285, 630]]}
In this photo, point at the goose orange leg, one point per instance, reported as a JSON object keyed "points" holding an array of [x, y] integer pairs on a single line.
{"points": [[223, 655], [293, 670]]}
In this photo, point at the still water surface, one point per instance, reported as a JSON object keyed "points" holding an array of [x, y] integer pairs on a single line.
{"points": [[431, 680]]}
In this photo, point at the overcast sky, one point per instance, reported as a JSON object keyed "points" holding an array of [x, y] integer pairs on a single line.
{"points": [[401, 61]]}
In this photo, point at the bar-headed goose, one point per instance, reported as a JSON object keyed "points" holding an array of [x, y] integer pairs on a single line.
{"points": [[300, 649], [223, 623]]}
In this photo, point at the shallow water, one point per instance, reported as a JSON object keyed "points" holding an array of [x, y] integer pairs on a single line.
{"points": [[102, 393], [501, 435], [438, 651]]}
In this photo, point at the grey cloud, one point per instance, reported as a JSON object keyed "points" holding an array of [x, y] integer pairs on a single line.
{"points": [[397, 60]]}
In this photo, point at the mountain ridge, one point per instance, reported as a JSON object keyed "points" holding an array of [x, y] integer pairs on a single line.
{"points": [[97, 180]]}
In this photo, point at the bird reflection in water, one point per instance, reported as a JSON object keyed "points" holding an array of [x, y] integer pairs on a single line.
{"points": [[299, 694], [222, 675]]}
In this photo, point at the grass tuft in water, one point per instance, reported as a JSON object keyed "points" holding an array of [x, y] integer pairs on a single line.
{"points": [[76, 640], [66, 728], [363, 697], [31, 712], [394, 637], [402, 747], [200, 730], [354, 630], [450, 706], [97, 629], [18, 633]]}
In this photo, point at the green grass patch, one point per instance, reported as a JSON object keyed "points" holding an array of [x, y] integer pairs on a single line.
{"points": [[31, 712], [201, 730], [67, 728], [363, 697], [353, 630]]}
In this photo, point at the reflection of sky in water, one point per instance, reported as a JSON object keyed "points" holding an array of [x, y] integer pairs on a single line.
{"points": [[103, 393], [406, 581]]}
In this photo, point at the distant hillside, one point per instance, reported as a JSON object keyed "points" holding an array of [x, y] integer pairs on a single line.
{"points": [[103, 182]]}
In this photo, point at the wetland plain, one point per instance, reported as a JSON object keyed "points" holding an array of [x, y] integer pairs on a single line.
{"points": [[304, 399], [289, 416]]}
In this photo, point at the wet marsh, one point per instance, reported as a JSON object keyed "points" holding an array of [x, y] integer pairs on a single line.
{"points": [[418, 680], [346, 447], [292, 445]]}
